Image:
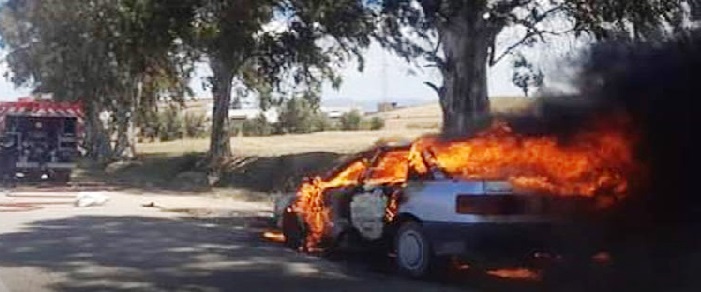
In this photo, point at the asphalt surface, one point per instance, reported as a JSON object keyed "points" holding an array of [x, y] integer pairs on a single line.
{"points": [[209, 244]]}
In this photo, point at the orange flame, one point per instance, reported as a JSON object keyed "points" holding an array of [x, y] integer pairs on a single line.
{"points": [[392, 206], [310, 201], [274, 236], [392, 167], [595, 161], [516, 273]]}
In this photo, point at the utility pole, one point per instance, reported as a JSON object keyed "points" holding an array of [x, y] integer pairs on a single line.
{"points": [[384, 76]]}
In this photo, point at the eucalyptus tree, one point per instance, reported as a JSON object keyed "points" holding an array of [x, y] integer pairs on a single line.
{"points": [[460, 37]]}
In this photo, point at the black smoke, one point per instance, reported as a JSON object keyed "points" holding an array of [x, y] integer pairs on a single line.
{"points": [[656, 232]]}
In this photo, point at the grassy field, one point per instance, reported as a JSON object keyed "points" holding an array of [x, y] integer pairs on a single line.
{"points": [[429, 116], [337, 142], [404, 123], [261, 165]]}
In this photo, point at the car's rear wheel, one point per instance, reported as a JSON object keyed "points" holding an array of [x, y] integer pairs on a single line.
{"points": [[413, 250]]}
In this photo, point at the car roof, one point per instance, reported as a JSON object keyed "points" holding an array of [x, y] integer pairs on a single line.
{"points": [[367, 154]]}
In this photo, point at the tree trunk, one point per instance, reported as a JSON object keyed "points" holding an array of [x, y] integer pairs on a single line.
{"points": [[125, 113], [125, 142], [465, 43], [97, 145], [220, 147], [132, 135]]}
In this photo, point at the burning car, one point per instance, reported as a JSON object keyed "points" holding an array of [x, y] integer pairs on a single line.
{"points": [[497, 194]]}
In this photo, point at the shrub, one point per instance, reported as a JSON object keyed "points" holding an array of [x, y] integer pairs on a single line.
{"points": [[257, 127], [377, 123], [170, 124], [195, 125], [321, 122], [149, 125], [147, 121], [236, 128], [351, 121], [297, 115]]}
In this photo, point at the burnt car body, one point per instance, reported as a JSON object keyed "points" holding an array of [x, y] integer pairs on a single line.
{"points": [[436, 217]]}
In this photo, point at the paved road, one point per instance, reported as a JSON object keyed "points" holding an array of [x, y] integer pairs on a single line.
{"points": [[124, 246]]}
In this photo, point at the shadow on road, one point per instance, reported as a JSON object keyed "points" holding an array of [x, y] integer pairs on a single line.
{"points": [[126, 253], [260, 175], [89, 253]]}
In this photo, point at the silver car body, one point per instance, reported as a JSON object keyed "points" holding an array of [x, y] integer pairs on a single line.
{"points": [[435, 201]]}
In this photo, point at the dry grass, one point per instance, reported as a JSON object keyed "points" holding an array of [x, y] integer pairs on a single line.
{"points": [[337, 142], [262, 164], [429, 116], [405, 123], [278, 163]]}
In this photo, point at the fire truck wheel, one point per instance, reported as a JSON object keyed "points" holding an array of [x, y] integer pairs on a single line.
{"points": [[414, 255], [293, 229]]}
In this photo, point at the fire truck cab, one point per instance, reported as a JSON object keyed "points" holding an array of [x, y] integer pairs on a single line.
{"points": [[41, 138]]}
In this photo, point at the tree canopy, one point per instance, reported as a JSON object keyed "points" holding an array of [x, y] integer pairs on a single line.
{"points": [[268, 44], [110, 55], [122, 55], [460, 37]]}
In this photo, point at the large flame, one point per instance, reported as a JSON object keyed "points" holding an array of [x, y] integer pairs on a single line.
{"points": [[595, 161], [310, 201]]}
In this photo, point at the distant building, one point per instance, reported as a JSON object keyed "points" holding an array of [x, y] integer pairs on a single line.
{"points": [[336, 112], [272, 115]]}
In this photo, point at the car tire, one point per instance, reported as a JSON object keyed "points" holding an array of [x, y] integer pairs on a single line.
{"points": [[414, 254]]}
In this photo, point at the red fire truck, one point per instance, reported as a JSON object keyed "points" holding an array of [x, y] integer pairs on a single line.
{"points": [[40, 138]]}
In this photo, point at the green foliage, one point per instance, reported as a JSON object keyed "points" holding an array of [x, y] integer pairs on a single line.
{"points": [[257, 127], [377, 123], [170, 124], [322, 123], [297, 116], [525, 75], [111, 55], [459, 36], [600, 19], [149, 125], [195, 125], [351, 121], [245, 42]]}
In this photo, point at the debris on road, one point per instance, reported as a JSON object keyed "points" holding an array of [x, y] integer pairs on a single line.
{"points": [[149, 205], [91, 199]]}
